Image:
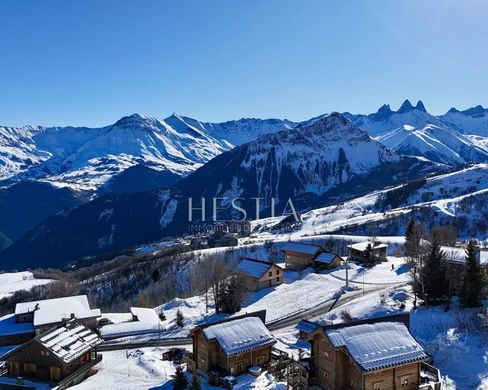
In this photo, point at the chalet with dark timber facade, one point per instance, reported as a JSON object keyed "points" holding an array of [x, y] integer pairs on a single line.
{"points": [[259, 274], [359, 251], [56, 354], [232, 346], [377, 354], [300, 255]]}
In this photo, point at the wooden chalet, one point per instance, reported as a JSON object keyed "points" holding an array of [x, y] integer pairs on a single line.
{"points": [[300, 255], [63, 352], [359, 251], [378, 354], [456, 257], [44, 314], [259, 274], [231, 346]]}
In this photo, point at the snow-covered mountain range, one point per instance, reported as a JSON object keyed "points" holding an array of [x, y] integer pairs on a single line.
{"points": [[454, 138], [87, 158]]}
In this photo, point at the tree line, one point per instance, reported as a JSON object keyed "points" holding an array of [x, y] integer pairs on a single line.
{"points": [[440, 275]]}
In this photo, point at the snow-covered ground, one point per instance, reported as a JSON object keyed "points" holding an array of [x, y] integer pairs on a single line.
{"points": [[144, 369], [16, 281], [300, 292], [441, 193]]}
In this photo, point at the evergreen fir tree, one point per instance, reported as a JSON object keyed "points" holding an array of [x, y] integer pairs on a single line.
{"points": [[180, 381], [412, 241], [180, 318], [434, 274], [471, 293]]}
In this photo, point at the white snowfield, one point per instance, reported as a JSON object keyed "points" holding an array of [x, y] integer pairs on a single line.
{"points": [[17, 281], [442, 193]]}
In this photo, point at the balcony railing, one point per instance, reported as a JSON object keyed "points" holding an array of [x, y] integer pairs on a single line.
{"points": [[430, 377]]}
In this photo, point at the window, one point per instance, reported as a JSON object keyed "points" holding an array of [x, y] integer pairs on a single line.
{"points": [[277, 279], [326, 354], [326, 374], [45, 353], [353, 384], [30, 368], [277, 272], [270, 273], [405, 380], [377, 385]]}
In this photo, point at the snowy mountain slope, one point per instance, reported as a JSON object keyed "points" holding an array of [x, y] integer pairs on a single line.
{"points": [[413, 131], [437, 143], [304, 164], [459, 198], [471, 121], [85, 158]]}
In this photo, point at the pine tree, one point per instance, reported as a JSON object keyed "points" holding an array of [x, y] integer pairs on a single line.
{"points": [[412, 241], [471, 294], [434, 274], [195, 382], [369, 254], [180, 381], [180, 318]]}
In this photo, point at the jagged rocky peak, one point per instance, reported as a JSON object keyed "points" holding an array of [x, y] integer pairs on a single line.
{"points": [[420, 106], [406, 106], [383, 112]]}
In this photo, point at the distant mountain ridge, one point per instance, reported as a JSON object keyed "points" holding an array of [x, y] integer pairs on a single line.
{"points": [[85, 158], [413, 131]]}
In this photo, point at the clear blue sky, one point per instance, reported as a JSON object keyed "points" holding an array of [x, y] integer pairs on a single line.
{"points": [[91, 62]]}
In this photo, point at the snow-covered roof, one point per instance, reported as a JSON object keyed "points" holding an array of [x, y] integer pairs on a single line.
{"points": [[129, 329], [298, 247], [325, 258], [240, 335], [458, 255], [361, 246], [253, 268], [52, 311], [69, 341], [143, 314], [8, 326], [378, 346]]}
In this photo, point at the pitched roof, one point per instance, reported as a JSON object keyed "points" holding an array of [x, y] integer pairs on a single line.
{"points": [[148, 316], [240, 335], [70, 341], [361, 246], [254, 268], [298, 247], [52, 311], [379, 345], [325, 257], [458, 255]]}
